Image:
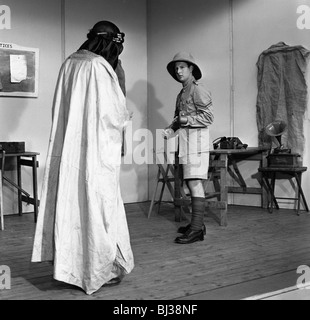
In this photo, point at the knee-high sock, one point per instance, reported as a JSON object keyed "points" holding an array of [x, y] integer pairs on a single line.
{"points": [[198, 209]]}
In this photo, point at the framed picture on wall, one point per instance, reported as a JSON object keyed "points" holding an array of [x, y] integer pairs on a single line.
{"points": [[19, 68]]}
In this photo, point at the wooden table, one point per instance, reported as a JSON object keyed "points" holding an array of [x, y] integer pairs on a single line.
{"points": [[24, 159], [287, 172], [222, 163]]}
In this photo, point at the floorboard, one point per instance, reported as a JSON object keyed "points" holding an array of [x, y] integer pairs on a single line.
{"points": [[257, 252]]}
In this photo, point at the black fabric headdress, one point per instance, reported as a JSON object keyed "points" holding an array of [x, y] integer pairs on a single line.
{"points": [[106, 40]]}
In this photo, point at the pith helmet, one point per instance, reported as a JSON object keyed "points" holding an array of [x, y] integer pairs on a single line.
{"points": [[185, 57]]}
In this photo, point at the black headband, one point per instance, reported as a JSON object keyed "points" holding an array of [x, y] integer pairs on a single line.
{"points": [[115, 37]]}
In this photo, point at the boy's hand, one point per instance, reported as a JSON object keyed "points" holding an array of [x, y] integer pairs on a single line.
{"points": [[167, 133]]}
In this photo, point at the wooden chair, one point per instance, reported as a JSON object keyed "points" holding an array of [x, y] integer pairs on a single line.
{"points": [[2, 153]]}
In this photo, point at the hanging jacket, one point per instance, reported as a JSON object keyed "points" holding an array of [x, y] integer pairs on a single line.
{"points": [[282, 93]]}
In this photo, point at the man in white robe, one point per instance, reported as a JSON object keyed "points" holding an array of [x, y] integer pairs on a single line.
{"points": [[82, 225]]}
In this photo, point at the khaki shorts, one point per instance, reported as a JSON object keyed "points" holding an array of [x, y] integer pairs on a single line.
{"points": [[195, 166]]}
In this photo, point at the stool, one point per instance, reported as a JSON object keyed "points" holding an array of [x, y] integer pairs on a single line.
{"points": [[166, 175], [274, 173], [164, 178]]}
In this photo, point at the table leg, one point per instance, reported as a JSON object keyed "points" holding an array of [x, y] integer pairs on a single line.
{"points": [[224, 190], [270, 192], [300, 192], [19, 183], [35, 187], [154, 195], [265, 197], [273, 182], [1, 203]]}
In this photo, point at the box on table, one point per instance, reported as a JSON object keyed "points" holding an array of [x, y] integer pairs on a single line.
{"points": [[12, 147], [283, 160]]}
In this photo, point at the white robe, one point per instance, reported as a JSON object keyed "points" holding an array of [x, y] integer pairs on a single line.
{"points": [[82, 225]]}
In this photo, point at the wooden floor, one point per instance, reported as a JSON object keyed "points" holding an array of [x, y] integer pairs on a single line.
{"points": [[257, 252]]}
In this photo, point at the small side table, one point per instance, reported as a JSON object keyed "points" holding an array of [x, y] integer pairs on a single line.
{"points": [[23, 159], [273, 173]]}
